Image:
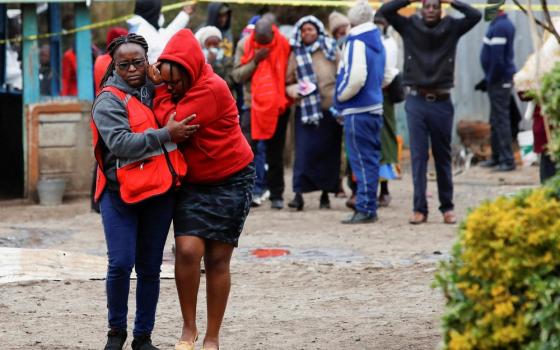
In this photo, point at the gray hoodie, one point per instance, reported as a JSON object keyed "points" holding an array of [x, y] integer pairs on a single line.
{"points": [[117, 140]]}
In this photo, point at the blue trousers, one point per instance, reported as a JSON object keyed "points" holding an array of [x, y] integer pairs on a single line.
{"points": [[135, 236], [260, 169], [362, 134], [430, 122]]}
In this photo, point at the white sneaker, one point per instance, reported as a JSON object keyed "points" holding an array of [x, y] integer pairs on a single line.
{"points": [[257, 201], [265, 196]]}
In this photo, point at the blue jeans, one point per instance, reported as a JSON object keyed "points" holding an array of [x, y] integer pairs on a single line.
{"points": [[362, 134], [260, 169], [135, 236], [430, 122]]}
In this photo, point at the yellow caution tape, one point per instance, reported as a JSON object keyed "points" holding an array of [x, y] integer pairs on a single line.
{"points": [[316, 3]]}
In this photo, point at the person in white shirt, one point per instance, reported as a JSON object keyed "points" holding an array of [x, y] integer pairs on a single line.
{"points": [[148, 22], [13, 68]]}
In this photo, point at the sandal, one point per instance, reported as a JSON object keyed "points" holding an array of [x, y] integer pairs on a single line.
{"points": [[186, 345]]}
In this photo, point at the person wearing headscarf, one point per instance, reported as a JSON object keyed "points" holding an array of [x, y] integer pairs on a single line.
{"points": [[148, 22], [310, 79], [339, 25], [210, 39]]}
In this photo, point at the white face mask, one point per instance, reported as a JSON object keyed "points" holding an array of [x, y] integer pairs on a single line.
{"points": [[218, 52]]}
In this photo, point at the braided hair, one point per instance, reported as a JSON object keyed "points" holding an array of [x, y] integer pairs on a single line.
{"points": [[130, 38]]}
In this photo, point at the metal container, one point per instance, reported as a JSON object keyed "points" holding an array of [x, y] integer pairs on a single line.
{"points": [[51, 191]]}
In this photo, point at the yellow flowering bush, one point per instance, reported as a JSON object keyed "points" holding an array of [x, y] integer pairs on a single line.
{"points": [[502, 283]]}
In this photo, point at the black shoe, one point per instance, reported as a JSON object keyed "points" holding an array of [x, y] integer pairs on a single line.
{"points": [[360, 218], [115, 339], [505, 168], [297, 202], [276, 204], [324, 203], [143, 342], [489, 163], [384, 200]]}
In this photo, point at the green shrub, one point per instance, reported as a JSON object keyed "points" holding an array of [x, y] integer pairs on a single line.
{"points": [[502, 284]]}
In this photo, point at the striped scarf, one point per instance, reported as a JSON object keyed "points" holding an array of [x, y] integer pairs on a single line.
{"points": [[311, 104]]}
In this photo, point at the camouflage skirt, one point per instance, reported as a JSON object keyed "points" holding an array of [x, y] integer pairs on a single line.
{"points": [[215, 211]]}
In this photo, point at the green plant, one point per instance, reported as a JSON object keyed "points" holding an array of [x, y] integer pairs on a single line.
{"points": [[550, 93], [502, 284]]}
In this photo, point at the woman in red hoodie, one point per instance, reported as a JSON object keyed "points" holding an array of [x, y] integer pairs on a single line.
{"points": [[215, 196]]}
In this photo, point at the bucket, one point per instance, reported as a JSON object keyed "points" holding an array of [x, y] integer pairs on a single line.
{"points": [[525, 140], [51, 191]]}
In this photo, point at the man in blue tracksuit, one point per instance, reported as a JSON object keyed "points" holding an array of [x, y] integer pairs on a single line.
{"points": [[359, 99], [496, 58]]}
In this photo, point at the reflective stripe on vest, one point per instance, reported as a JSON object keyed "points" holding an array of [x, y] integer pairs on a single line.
{"points": [[152, 174]]}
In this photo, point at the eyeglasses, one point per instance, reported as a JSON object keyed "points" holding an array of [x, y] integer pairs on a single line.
{"points": [[124, 66]]}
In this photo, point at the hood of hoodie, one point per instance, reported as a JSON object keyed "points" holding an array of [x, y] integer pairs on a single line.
{"points": [[149, 10], [214, 10], [144, 93], [369, 34], [183, 48]]}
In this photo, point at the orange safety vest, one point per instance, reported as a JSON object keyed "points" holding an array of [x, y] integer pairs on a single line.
{"points": [[139, 179]]}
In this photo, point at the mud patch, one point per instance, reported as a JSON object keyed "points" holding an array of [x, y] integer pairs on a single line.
{"points": [[32, 237]]}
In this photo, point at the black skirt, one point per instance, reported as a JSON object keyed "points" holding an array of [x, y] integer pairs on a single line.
{"points": [[215, 211]]}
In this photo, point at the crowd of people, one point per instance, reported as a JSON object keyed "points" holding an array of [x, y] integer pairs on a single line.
{"points": [[191, 128]]}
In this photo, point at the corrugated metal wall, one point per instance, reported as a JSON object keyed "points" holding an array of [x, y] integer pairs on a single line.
{"points": [[470, 104]]}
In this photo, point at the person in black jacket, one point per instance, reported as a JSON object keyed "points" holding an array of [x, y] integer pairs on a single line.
{"points": [[430, 44]]}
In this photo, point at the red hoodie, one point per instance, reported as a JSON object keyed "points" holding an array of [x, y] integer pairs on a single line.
{"points": [[218, 149]]}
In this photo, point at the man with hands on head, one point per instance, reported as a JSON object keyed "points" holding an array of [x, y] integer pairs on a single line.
{"points": [[430, 43]]}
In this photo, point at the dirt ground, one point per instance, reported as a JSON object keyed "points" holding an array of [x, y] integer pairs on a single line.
{"points": [[341, 287]]}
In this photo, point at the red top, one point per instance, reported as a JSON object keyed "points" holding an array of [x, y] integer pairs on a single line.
{"points": [[539, 132], [69, 74], [99, 68], [268, 84], [218, 149]]}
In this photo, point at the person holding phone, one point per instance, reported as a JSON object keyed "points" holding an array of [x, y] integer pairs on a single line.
{"points": [[311, 79]]}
